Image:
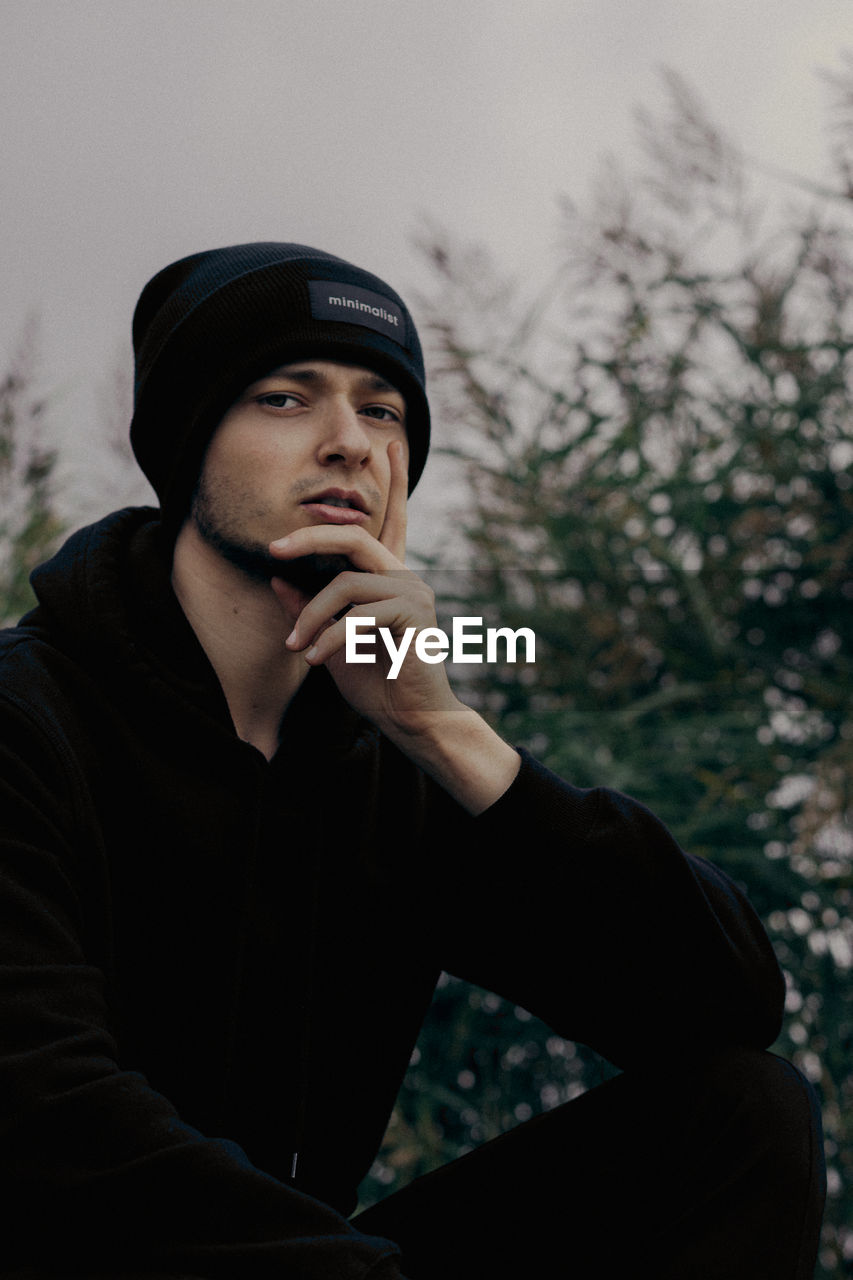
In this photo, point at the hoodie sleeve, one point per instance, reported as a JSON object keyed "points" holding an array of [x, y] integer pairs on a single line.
{"points": [[579, 906], [97, 1168]]}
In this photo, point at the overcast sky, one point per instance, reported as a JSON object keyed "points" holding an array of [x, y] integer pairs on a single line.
{"points": [[137, 131]]}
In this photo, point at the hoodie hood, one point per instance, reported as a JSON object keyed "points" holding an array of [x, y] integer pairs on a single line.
{"points": [[105, 598]]}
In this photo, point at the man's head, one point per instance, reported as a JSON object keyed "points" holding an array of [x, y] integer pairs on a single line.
{"points": [[212, 324], [310, 443]]}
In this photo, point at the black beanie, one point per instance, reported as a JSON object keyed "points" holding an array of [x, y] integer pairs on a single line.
{"points": [[209, 325]]}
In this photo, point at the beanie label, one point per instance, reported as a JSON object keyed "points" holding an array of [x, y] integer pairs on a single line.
{"points": [[331, 300]]}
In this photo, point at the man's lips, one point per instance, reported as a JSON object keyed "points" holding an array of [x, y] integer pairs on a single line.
{"points": [[335, 515], [337, 506]]}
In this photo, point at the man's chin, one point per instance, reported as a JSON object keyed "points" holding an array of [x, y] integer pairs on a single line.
{"points": [[308, 574]]}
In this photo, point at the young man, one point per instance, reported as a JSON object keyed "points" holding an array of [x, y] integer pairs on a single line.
{"points": [[234, 864]]}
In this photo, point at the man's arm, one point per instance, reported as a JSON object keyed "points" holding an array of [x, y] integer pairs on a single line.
{"points": [[579, 905], [463, 755]]}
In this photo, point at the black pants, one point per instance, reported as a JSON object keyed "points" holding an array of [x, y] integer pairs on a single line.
{"points": [[700, 1170]]}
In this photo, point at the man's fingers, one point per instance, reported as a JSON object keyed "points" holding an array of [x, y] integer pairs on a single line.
{"points": [[393, 534], [332, 638], [350, 589], [365, 551]]}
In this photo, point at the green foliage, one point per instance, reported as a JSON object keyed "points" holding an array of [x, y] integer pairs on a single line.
{"points": [[29, 525], [667, 440]]}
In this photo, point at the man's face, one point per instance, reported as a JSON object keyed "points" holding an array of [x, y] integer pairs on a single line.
{"points": [[306, 445]]}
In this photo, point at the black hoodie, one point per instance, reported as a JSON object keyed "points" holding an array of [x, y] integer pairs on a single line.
{"points": [[211, 962]]}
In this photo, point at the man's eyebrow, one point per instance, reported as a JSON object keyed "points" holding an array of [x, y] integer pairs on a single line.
{"points": [[373, 382], [297, 375]]}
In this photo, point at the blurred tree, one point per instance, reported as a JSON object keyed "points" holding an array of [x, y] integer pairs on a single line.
{"points": [[29, 524], [666, 437]]}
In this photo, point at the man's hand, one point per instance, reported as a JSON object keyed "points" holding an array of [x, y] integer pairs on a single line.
{"points": [[379, 586], [418, 710]]}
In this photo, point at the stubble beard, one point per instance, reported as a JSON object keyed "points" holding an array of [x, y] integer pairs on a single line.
{"points": [[254, 560]]}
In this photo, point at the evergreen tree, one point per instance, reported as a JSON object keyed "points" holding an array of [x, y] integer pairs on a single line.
{"points": [[29, 523], [658, 460]]}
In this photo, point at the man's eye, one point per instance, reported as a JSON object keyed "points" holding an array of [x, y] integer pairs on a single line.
{"points": [[381, 412], [278, 400]]}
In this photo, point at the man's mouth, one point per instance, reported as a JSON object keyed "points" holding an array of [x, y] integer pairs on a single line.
{"points": [[337, 506], [339, 502]]}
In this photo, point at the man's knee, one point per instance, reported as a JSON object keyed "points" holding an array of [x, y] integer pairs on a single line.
{"points": [[765, 1107]]}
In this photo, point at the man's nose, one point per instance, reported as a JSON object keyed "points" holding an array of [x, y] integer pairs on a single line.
{"points": [[344, 435]]}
